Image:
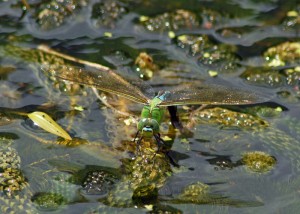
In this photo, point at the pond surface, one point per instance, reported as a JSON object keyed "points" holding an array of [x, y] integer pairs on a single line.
{"points": [[231, 159]]}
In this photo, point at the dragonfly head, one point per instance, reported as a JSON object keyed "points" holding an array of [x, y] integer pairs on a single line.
{"points": [[148, 127]]}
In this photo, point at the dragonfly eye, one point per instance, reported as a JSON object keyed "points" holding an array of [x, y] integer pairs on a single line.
{"points": [[148, 127]]}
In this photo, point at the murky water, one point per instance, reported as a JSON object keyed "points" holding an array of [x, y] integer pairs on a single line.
{"points": [[252, 45]]}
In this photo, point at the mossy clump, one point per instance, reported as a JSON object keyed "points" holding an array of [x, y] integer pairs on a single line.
{"points": [[99, 182], [145, 193], [107, 13], [228, 118], [283, 54], [208, 52], [292, 76], [258, 161], [9, 158], [291, 20], [171, 21], [48, 201], [265, 111], [53, 14], [11, 182], [264, 77], [143, 176], [145, 65], [12, 179], [194, 190], [149, 168]]}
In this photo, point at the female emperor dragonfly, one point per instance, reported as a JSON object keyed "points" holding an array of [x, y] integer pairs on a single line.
{"points": [[152, 113]]}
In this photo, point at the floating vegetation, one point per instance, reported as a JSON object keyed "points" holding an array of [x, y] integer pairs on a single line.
{"points": [[216, 56], [51, 85], [263, 77], [107, 13], [145, 65], [98, 182], [199, 193], [292, 76], [228, 118], [287, 53], [258, 161], [266, 112], [12, 180], [32, 55], [44, 121], [48, 201], [144, 176], [292, 19], [191, 192], [9, 158], [18, 205], [53, 14], [173, 21], [285, 80]]}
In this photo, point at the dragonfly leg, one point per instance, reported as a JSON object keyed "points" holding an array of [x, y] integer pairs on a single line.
{"points": [[174, 118], [136, 135], [138, 143], [176, 122], [160, 143]]}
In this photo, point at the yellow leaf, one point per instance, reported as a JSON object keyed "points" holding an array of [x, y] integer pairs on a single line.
{"points": [[108, 34], [44, 121], [212, 73], [171, 34]]}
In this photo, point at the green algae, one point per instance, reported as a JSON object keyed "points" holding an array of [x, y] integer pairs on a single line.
{"points": [[107, 13], [283, 54], [48, 201], [172, 21], [53, 14], [12, 179], [228, 118], [258, 161], [216, 56]]}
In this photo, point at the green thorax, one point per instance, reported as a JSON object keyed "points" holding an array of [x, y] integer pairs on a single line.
{"points": [[152, 116], [155, 113]]}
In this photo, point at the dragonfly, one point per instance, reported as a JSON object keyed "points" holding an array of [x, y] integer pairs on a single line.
{"points": [[154, 108]]}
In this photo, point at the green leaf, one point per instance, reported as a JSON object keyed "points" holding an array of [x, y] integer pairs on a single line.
{"points": [[44, 121]]}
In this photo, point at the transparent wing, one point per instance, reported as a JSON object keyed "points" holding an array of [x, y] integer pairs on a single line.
{"points": [[211, 94], [102, 79]]}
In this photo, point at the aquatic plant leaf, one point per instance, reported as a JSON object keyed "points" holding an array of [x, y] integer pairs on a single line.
{"points": [[44, 121]]}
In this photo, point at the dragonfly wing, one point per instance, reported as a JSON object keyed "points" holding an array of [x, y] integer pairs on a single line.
{"points": [[102, 79], [211, 94]]}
